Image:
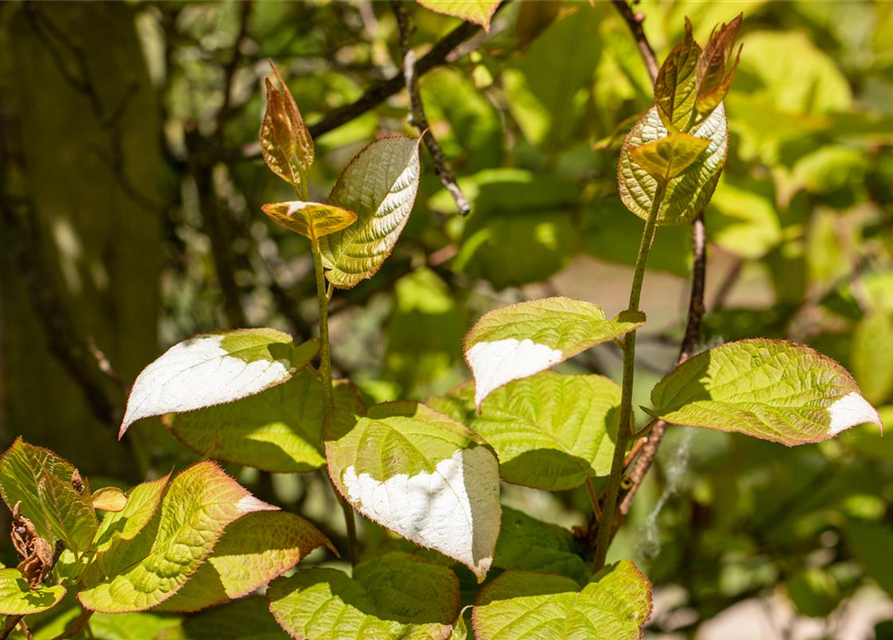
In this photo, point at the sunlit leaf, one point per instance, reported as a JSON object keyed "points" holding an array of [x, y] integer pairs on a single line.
{"points": [[552, 431], [870, 543], [141, 573], [215, 368], [520, 340], [713, 72], [278, 430], [420, 474], [676, 86], [396, 596], [42, 482], [814, 592], [142, 502], [109, 499], [525, 606], [476, 11], [17, 598], [379, 186], [668, 157], [284, 140], [310, 219], [254, 550], [689, 192], [770, 389]]}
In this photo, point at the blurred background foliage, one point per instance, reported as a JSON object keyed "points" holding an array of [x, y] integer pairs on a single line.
{"points": [[131, 193]]}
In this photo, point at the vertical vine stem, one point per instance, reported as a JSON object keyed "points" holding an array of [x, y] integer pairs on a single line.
{"points": [[624, 431], [325, 369]]}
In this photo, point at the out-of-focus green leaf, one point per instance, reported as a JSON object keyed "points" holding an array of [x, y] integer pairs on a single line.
{"points": [[814, 593], [870, 543], [743, 221], [871, 348], [245, 619]]}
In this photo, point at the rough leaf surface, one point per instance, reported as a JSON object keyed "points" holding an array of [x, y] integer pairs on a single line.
{"points": [[476, 11], [668, 157], [379, 186], [285, 141], [688, 193], [552, 431], [676, 86], [422, 475], [255, 549], [521, 605], [278, 430], [42, 482], [18, 599], [142, 502], [214, 368], [522, 339], [770, 389], [141, 573], [393, 597]]}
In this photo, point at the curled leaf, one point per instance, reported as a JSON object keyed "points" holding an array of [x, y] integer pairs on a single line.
{"points": [[109, 499], [713, 74], [310, 219], [285, 141]]}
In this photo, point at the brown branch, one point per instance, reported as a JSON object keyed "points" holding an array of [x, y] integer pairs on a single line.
{"points": [[377, 94], [9, 625], [417, 110], [634, 22]]}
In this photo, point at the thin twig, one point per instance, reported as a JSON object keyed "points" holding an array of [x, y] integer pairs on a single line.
{"points": [[417, 110], [8, 625], [634, 22], [377, 94]]}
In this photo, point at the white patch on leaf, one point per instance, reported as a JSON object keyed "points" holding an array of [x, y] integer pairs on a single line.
{"points": [[250, 504], [851, 410], [198, 373], [454, 510], [494, 364]]}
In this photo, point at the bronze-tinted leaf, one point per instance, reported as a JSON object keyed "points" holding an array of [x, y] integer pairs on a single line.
{"points": [[713, 75], [284, 139], [666, 158], [310, 219]]}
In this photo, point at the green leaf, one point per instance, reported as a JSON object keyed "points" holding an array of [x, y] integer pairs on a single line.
{"points": [[284, 140], [245, 619], [713, 74], [552, 431], [420, 474], [215, 368], [870, 543], [310, 219], [521, 605], [396, 596], [18, 599], [255, 549], [688, 193], [668, 157], [141, 573], [278, 430], [42, 482], [128, 626], [870, 356], [142, 502], [770, 389], [379, 186], [743, 221], [476, 11], [109, 499], [814, 592], [676, 85], [530, 545], [522, 339]]}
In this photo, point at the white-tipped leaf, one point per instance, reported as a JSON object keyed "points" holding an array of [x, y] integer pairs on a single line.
{"points": [[769, 389], [520, 340], [215, 368], [422, 475]]}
